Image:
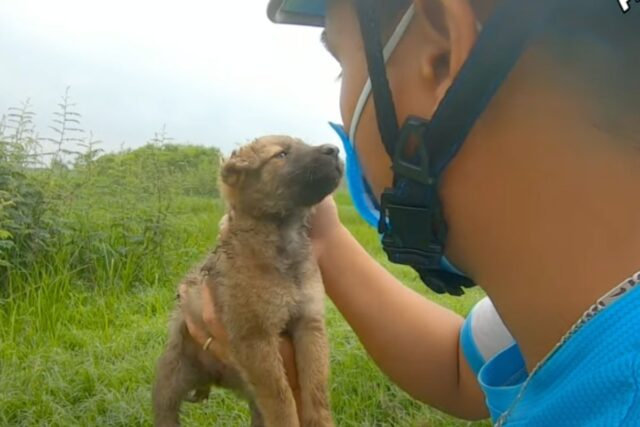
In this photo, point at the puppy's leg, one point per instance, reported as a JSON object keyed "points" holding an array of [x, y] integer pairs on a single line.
{"points": [[256, 416], [177, 374], [312, 361], [176, 378], [263, 369]]}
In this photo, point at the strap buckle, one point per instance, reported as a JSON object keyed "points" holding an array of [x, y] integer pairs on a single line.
{"points": [[407, 233], [411, 222]]}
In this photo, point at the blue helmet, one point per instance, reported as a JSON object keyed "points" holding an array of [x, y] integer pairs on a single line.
{"points": [[297, 12]]}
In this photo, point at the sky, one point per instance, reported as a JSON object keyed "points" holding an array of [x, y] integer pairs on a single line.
{"points": [[214, 72]]}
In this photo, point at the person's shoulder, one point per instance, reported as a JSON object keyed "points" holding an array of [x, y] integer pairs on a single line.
{"points": [[632, 417], [607, 396], [594, 378]]}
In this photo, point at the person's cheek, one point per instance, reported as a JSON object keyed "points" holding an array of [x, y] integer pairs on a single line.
{"points": [[375, 163], [368, 144]]}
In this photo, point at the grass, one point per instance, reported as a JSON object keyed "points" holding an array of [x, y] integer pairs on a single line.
{"points": [[73, 354]]}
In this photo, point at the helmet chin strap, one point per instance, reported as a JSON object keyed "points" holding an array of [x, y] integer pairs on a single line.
{"points": [[411, 219], [391, 45], [385, 108]]}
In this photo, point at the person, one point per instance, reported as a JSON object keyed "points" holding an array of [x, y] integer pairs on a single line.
{"points": [[540, 202]]}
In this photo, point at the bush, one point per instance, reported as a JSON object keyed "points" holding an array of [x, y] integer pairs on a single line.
{"points": [[24, 232], [98, 211]]}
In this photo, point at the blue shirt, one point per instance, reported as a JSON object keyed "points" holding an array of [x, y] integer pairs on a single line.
{"points": [[592, 380]]}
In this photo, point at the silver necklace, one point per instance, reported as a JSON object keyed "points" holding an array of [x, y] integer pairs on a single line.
{"points": [[596, 308]]}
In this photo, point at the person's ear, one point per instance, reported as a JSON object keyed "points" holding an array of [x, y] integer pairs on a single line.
{"points": [[235, 168], [452, 29]]}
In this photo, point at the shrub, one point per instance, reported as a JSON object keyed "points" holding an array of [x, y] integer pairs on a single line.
{"points": [[90, 210]]}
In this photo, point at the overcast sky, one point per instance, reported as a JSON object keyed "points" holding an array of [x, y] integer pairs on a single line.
{"points": [[214, 72]]}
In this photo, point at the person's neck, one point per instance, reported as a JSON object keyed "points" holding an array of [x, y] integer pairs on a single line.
{"points": [[578, 237], [544, 298]]}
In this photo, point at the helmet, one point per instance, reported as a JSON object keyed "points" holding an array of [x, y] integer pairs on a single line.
{"points": [[297, 12]]}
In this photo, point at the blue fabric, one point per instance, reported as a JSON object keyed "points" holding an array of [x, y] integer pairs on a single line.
{"points": [[359, 190], [501, 379], [592, 380], [447, 265], [469, 347]]}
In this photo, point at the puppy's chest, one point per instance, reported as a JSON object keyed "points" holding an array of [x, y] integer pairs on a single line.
{"points": [[292, 263], [284, 261]]}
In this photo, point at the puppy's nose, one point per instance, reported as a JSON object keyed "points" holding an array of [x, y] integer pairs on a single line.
{"points": [[329, 150]]}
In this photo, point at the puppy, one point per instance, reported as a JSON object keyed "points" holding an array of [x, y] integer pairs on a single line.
{"points": [[265, 283]]}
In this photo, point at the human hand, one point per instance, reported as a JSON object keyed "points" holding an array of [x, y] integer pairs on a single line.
{"points": [[205, 325], [324, 223]]}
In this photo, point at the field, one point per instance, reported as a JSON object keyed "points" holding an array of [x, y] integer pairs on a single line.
{"points": [[91, 248], [84, 357]]}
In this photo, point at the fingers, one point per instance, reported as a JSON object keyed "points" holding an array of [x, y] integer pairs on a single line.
{"points": [[183, 291], [209, 316], [211, 328], [215, 330], [198, 334]]}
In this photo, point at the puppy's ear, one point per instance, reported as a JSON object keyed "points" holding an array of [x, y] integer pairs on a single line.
{"points": [[238, 165]]}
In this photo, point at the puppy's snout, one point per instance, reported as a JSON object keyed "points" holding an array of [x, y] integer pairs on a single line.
{"points": [[329, 150]]}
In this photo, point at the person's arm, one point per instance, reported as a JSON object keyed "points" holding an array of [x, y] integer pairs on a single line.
{"points": [[414, 341]]}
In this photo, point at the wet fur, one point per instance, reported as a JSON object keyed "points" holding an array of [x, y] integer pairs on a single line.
{"points": [[265, 283]]}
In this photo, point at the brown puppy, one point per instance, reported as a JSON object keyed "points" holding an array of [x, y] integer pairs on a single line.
{"points": [[265, 283]]}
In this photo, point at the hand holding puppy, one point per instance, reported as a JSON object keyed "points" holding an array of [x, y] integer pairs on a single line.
{"points": [[213, 329]]}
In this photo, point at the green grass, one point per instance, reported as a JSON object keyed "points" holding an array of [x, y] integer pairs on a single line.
{"points": [[83, 354]]}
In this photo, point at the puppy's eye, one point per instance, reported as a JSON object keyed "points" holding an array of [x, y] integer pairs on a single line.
{"points": [[281, 155]]}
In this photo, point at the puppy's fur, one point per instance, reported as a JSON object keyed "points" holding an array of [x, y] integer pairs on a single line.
{"points": [[265, 283]]}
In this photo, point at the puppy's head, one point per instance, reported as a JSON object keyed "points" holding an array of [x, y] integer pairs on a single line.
{"points": [[277, 175]]}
